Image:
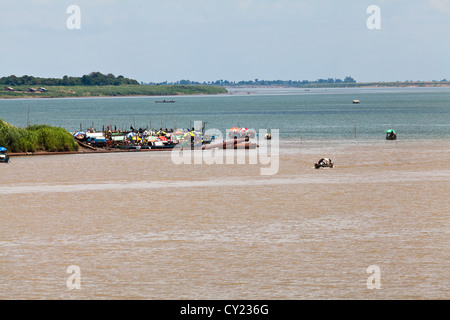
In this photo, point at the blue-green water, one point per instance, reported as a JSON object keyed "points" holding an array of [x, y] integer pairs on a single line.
{"points": [[416, 113]]}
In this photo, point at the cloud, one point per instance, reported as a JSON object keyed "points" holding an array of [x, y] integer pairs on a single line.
{"points": [[441, 5], [244, 5]]}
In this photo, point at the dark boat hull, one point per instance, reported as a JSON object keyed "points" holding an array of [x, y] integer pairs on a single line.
{"points": [[391, 137], [318, 166]]}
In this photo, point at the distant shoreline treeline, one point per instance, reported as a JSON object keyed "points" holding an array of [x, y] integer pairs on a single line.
{"points": [[397, 84], [92, 79], [347, 82], [97, 84], [94, 84], [108, 91], [257, 82]]}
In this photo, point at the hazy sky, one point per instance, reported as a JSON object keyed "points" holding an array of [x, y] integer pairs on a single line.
{"points": [[206, 40]]}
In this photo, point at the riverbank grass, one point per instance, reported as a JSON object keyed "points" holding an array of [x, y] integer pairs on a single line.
{"points": [[108, 91], [36, 138]]}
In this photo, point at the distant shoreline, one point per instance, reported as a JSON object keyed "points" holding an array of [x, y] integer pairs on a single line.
{"points": [[121, 96], [353, 85], [21, 92], [27, 92]]}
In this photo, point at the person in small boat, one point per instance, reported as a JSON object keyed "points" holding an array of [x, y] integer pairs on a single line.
{"points": [[324, 162], [391, 135]]}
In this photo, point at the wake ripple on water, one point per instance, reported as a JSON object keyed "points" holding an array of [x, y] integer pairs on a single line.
{"points": [[434, 175]]}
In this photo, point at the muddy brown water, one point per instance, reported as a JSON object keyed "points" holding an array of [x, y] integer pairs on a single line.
{"points": [[141, 227]]}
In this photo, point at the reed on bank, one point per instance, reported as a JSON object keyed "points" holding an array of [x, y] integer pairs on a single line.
{"points": [[36, 138], [109, 91]]}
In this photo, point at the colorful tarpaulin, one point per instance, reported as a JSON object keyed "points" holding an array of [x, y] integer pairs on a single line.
{"points": [[2, 149], [79, 135], [390, 131]]}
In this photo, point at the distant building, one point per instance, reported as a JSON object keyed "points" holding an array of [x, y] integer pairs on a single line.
{"points": [[31, 90], [9, 89], [41, 89]]}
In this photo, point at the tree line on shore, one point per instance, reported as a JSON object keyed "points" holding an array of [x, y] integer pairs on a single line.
{"points": [[92, 79], [100, 79], [258, 82], [329, 82]]}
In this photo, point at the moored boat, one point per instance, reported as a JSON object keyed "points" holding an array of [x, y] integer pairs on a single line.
{"points": [[4, 156], [230, 144], [159, 144]]}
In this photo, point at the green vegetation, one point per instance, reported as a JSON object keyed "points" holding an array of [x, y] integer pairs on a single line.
{"points": [[94, 84], [36, 138], [92, 79], [97, 84], [109, 91]]}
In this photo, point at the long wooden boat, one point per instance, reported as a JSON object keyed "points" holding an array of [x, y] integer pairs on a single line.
{"points": [[165, 101], [227, 144]]}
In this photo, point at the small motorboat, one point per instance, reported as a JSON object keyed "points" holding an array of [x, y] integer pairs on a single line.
{"points": [[165, 101], [391, 134], [324, 163], [4, 156]]}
